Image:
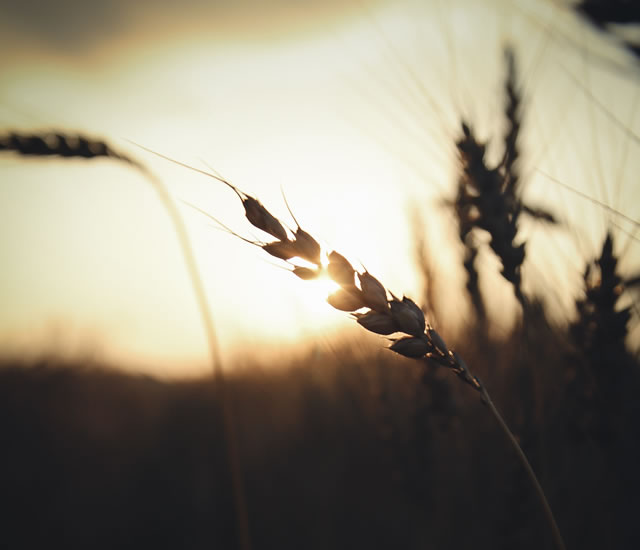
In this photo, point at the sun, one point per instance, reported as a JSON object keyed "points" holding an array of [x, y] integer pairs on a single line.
{"points": [[312, 295]]}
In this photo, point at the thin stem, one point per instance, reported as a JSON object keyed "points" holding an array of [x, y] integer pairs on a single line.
{"points": [[79, 146], [240, 506], [557, 537]]}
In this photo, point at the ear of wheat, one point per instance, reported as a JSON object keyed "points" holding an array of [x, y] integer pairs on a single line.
{"points": [[62, 145], [375, 309], [601, 328], [489, 198]]}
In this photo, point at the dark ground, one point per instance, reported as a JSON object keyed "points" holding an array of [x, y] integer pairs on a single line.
{"points": [[340, 451]]}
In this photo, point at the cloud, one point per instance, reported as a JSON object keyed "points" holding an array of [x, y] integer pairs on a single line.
{"points": [[64, 24], [78, 26]]}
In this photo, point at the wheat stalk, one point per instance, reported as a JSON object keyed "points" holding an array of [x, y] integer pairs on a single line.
{"points": [[601, 328], [79, 146], [489, 198], [373, 307]]}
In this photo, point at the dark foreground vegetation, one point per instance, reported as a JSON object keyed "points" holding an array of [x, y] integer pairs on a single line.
{"points": [[342, 450]]}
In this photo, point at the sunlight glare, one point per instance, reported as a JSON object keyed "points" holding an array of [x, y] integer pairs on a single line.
{"points": [[314, 300]]}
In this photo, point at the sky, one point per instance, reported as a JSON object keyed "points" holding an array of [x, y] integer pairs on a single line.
{"points": [[349, 109]]}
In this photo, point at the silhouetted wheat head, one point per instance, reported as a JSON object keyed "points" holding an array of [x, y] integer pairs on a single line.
{"points": [[62, 145], [489, 198], [599, 333], [601, 327], [605, 14], [371, 305]]}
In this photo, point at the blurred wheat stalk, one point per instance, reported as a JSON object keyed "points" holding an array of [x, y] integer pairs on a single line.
{"points": [[79, 146]]}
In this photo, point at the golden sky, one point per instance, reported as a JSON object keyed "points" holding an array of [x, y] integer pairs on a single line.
{"points": [[351, 108]]}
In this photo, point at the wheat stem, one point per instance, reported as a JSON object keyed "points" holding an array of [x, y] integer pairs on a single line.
{"points": [[557, 537], [78, 146], [229, 428]]}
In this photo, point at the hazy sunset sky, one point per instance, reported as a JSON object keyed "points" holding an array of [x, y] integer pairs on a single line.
{"points": [[351, 108]]}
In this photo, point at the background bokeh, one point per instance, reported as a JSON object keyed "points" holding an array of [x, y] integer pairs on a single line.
{"points": [[351, 108]]}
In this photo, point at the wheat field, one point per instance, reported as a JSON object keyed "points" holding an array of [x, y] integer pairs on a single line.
{"points": [[490, 403]]}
